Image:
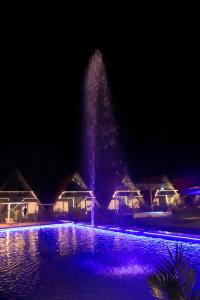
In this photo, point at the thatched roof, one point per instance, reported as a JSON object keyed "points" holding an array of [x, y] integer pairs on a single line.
{"points": [[17, 185], [161, 180], [127, 183], [16, 182]]}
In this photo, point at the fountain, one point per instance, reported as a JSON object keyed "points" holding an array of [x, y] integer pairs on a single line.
{"points": [[101, 152]]}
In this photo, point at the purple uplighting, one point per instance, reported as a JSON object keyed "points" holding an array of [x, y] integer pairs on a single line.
{"points": [[102, 158]]}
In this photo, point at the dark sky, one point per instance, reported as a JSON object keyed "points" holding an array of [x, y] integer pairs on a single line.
{"points": [[153, 73]]}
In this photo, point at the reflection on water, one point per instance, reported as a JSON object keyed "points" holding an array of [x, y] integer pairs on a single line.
{"points": [[72, 262], [131, 268], [68, 241], [62, 241], [18, 260], [74, 239]]}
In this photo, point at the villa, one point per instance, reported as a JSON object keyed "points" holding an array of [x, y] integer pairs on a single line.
{"points": [[76, 197], [15, 196], [126, 196]]}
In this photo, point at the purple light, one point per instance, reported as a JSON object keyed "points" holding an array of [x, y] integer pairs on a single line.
{"points": [[131, 230], [114, 230], [101, 227], [146, 234], [173, 236], [36, 227], [102, 159]]}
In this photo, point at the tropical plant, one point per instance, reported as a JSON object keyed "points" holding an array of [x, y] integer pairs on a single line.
{"points": [[175, 278]]}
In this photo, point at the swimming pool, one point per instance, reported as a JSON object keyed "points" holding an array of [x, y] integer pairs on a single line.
{"points": [[74, 262]]}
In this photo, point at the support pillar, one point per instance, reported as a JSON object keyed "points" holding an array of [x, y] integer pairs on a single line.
{"points": [[8, 212], [151, 199]]}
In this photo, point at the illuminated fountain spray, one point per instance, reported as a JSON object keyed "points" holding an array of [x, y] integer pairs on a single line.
{"points": [[102, 161]]}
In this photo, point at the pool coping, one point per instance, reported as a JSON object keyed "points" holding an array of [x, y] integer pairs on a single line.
{"points": [[170, 235], [28, 224]]}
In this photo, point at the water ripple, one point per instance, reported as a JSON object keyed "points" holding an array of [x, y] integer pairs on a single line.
{"points": [[75, 263]]}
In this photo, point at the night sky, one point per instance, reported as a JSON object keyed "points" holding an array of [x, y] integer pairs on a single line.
{"points": [[153, 74]]}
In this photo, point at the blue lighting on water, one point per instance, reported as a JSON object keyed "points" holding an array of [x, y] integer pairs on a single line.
{"points": [[131, 230], [172, 236], [163, 235], [44, 256], [34, 227], [153, 234]]}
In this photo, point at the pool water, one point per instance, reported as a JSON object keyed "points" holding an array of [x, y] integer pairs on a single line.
{"points": [[74, 262]]}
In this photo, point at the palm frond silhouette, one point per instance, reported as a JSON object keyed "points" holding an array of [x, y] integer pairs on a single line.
{"points": [[175, 278]]}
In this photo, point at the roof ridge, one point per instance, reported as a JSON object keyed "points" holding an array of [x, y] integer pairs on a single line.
{"points": [[16, 175]]}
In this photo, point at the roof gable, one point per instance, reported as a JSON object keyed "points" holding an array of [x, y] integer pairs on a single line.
{"points": [[127, 183], [75, 183], [16, 182]]}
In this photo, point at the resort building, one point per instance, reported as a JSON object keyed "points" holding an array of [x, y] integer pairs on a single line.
{"points": [[17, 199], [166, 195], [76, 197], [161, 192], [126, 196]]}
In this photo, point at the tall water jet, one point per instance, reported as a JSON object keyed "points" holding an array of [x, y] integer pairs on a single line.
{"points": [[102, 161]]}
